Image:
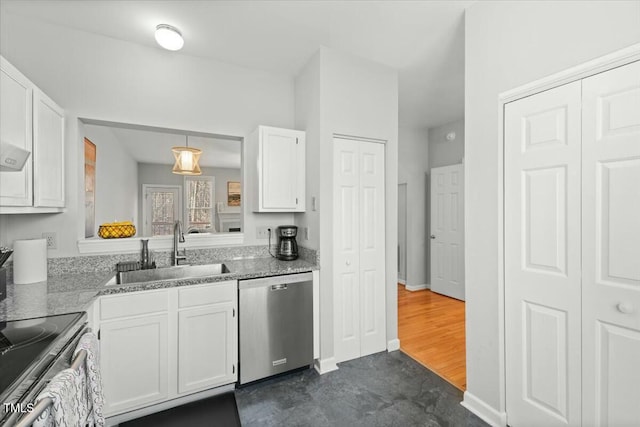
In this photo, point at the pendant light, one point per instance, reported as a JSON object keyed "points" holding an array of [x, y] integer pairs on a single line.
{"points": [[186, 159]]}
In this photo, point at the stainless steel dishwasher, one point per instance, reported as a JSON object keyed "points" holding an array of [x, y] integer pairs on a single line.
{"points": [[276, 325]]}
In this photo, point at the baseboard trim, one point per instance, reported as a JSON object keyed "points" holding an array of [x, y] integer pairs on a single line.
{"points": [[393, 345], [414, 288], [484, 411], [323, 366], [402, 281]]}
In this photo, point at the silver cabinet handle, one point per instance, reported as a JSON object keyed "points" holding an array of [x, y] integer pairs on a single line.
{"points": [[625, 308], [280, 287]]}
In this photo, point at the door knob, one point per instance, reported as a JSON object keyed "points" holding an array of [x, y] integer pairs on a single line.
{"points": [[625, 307], [433, 237]]}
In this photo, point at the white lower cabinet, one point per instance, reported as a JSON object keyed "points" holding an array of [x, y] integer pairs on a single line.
{"points": [[163, 344], [134, 362], [207, 337]]}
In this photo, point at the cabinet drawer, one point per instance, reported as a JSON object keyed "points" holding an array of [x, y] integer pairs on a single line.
{"points": [[212, 293], [133, 304]]}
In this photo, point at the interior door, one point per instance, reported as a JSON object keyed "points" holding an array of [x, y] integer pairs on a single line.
{"points": [[359, 248], [542, 258], [447, 230], [162, 207], [611, 247]]}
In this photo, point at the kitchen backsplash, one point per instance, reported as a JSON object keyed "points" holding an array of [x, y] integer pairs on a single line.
{"points": [[106, 263]]}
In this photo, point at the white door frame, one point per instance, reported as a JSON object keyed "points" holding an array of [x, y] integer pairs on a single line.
{"points": [[590, 68], [406, 234]]}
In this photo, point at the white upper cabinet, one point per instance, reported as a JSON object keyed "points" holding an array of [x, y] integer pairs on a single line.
{"points": [[16, 187], [277, 162], [48, 152], [32, 126]]}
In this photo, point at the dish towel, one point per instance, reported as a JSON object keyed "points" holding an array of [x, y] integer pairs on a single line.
{"points": [[90, 371], [68, 408]]}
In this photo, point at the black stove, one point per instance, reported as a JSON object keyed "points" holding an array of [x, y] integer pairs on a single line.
{"points": [[29, 347]]}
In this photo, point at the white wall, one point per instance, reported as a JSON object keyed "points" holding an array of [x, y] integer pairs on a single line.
{"points": [[443, 152], [342, 94], [102, 78], [413, 157], [308, 117], [509, 44], [116, 192]]}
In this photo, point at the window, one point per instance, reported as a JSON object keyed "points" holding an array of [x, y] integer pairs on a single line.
{"points": [[199, 203]]}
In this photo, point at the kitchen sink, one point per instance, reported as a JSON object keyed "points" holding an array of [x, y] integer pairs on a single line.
{"points": [[169, 273]]}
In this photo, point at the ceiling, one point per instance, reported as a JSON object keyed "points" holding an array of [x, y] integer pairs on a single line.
{"points": [[423, 40], [149, 145]]}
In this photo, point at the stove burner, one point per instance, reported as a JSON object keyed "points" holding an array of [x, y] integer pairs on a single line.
{"points": [[22, 337], [25, 343]]}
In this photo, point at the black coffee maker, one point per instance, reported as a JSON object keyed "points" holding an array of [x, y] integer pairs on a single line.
{"points": [[287, 245]]}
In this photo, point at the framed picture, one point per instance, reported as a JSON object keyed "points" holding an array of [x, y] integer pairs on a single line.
{"points": [[233, 193], [90, 156]]}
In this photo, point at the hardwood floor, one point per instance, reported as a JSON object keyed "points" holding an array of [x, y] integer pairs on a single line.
{"points": [[431, 331]]}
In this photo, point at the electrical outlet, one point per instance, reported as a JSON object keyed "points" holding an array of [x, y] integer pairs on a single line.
{"points": [[306, 233], [262, 232], [51, 240]]}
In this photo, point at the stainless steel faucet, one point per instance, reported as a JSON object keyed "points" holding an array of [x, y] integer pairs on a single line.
{"points": [[178, 237]]}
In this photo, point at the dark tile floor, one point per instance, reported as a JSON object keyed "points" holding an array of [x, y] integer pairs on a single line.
{"points": [[384, 389]]}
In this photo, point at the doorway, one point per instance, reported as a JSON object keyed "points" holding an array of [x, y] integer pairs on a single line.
{"points": [[431, 322]]}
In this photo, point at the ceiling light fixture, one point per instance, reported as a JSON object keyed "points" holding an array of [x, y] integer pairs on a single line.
{"points": [[169, 37], [186, 160]]}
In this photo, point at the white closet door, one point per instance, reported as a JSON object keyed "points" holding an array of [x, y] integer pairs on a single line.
{"points": [[372, 248], [346, 265], [611, 247], [359, 248], [542, 258]]}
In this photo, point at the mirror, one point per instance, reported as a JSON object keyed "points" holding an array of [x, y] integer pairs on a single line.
{"points": [[133, 181]]}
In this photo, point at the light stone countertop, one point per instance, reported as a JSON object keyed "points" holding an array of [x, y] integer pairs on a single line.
{"points": [[75, 292]]}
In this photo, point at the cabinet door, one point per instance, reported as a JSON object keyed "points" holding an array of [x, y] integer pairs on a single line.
{"points": [[48, 152], [282, 170], [134, 362], [15, 129], [206, 347]]}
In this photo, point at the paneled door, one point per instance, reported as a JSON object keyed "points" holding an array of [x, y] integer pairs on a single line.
{"points": [[447, 231], [542, 258], [359, 248], [611, 247]]}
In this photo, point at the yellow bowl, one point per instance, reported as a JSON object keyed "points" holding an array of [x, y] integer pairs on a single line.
{"points": [[116, 231]]}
